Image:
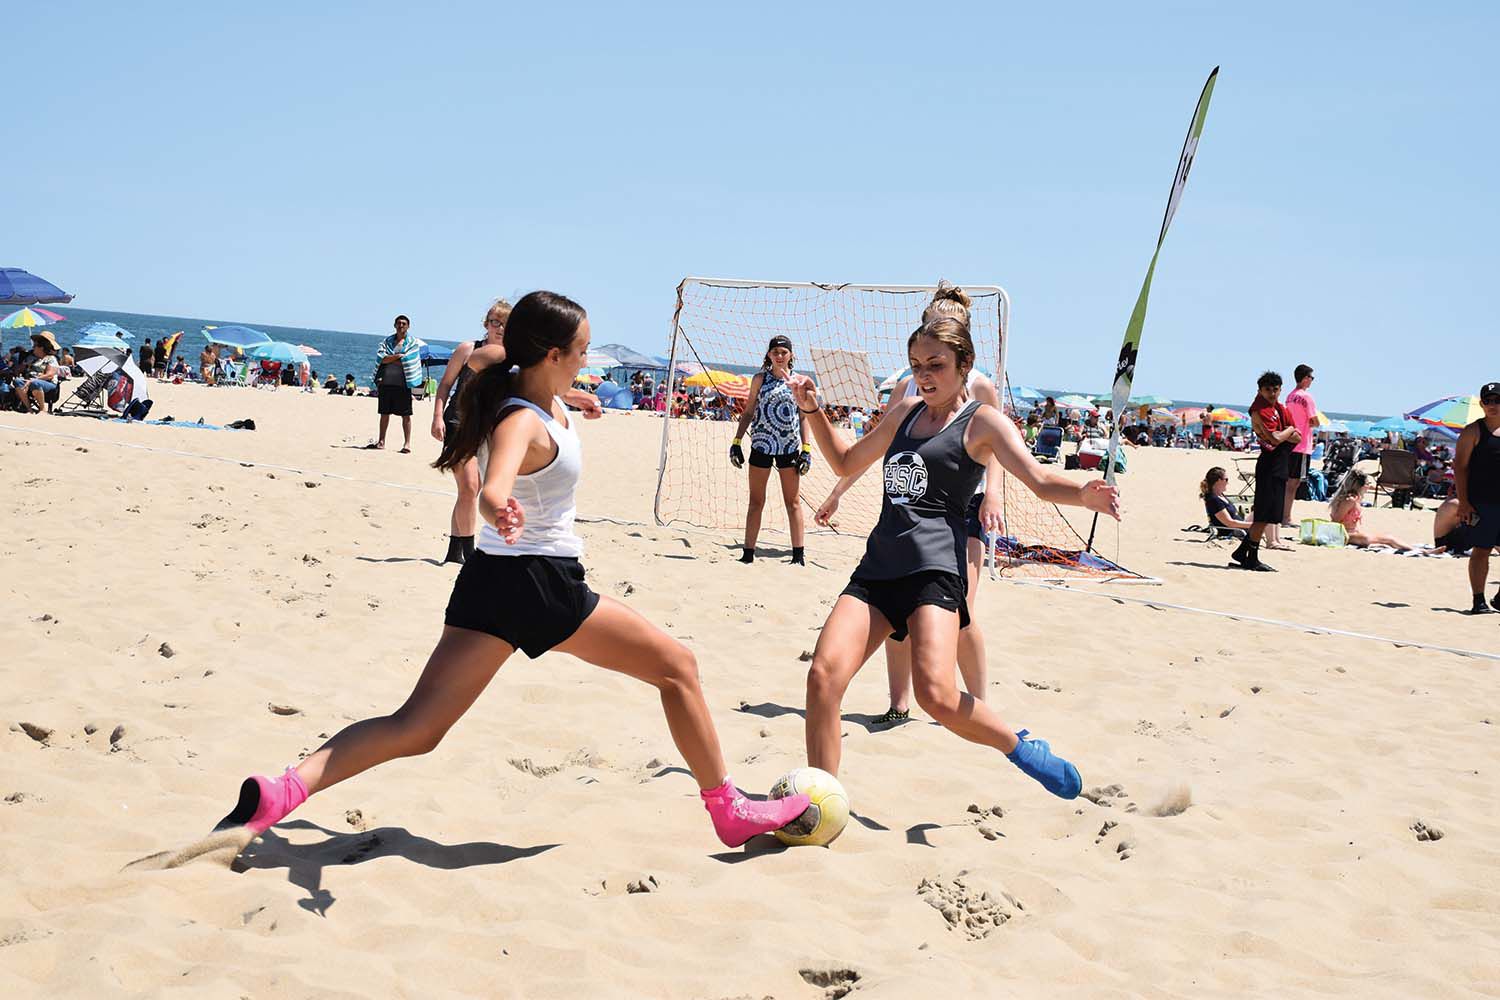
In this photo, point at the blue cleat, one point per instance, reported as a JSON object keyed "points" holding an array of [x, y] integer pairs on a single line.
{"points": [[1036, 759]]}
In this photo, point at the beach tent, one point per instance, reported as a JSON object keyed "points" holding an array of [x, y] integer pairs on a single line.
{"points": [[435, 354]]}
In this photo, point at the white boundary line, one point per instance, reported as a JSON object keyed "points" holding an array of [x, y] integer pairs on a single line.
{"points": [[1235, 616]]}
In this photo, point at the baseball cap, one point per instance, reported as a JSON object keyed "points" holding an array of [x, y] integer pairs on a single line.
{"points": [[1490, 390]]}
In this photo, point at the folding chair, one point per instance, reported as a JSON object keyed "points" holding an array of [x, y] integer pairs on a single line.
{"points": [[1048, 444], [1398, 471], [1245, 468]]}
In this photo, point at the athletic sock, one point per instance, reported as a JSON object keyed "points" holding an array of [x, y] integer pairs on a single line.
{"points": [[457, 552], [1036, 760], [737, 819], [748, 557], [799, 555], [1239, 554], [264, 802]]}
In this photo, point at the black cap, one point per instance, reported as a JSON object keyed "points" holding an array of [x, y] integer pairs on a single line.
{"points": [[780, 340], [1489, 389]]}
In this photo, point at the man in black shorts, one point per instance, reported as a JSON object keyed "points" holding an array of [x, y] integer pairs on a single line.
{"points": [[1277, 435], [391, 387], [1476, 468]]}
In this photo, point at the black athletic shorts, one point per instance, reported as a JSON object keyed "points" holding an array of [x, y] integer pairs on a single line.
{"points": [[897, 599], [1299, 466], [971, 518], [1484, 533], [395, 400], [531, 602], [763, 459], [1270, 485]]}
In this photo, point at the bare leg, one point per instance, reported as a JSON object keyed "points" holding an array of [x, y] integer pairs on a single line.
{"points": [[758, 480], [898, 673], [385, 420], [456, 672], [406, 432], [972, 663], [1287, 521], [617, 638], [934, 641], [849, 637], [790, 482], [466, 508], [1479, 569]]}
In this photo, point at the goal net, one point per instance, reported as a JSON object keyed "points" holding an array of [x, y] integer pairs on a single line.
{"points": [[851, 339]]}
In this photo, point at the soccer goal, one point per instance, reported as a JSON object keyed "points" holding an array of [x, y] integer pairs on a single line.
{"points": [[851, 338]]}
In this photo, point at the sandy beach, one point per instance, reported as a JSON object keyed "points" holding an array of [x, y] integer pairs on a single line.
{"points": [[188, 606]]}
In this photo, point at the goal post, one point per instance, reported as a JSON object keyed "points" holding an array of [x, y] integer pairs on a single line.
{"points": [[851, 338]]}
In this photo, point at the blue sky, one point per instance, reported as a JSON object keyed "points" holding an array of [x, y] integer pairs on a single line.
{"points": [[330, 168]]}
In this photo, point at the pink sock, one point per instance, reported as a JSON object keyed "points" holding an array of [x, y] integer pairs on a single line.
{"points": [[264, 802], [737, 819]]}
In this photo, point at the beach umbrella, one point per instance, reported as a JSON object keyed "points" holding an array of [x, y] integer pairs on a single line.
{"points": [[603, 359], [242, 337], [589, 379], [735, 387], [592, 371], [311, 352], [1074, 402], [105, 332], [1456, 412], [1150, 401], [1027, 394], [29, 319], [1401, 425], [1331, 426], [1161, 415], [277, 350], [1102, 400], [1225, 415], [710, 377], [22, 288], [1190, 414]]}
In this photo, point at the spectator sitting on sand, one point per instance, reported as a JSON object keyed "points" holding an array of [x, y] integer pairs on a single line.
{"points": [[1345, 508], [1224, 518], [1449, 532], [351, 387], [331, 384]]}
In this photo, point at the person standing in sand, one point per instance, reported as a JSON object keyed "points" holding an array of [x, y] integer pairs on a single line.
{"points": [[780, 439], [1476, 468], [910, 581], [1273, 429], [524, 589], [1304, 411], [397, 372]]}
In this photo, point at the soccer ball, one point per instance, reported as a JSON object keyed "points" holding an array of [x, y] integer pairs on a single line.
{"points": [[827, 813]]}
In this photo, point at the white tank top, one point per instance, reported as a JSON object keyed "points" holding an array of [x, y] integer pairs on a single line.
{"points": [[911, 390], [546, 495]]}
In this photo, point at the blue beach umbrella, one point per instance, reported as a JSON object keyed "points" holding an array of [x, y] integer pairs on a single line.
{"points": [[1399, 424], [242, 337], [277, 350], [110, 334], [435, 354], [22, 288], [1027, 394]]}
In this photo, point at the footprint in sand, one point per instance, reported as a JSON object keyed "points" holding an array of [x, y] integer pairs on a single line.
{"points": [[975, 911], [836, 981]]}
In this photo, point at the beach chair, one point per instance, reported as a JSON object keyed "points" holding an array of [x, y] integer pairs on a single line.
{"points": [[1048, 444], [1398, 471], [1245, 468]]}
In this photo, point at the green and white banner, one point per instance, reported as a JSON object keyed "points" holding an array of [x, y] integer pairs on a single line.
{"points": [[1125, 367]]}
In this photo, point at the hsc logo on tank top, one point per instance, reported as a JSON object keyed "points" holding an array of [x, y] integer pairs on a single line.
{"points": [[905, 477]]}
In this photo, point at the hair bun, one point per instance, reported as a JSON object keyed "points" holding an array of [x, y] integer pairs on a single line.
{"points": [[949, 291]]}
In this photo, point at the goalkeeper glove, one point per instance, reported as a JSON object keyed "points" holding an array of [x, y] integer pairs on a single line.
{"points": [[804, 460], [736, 456]]}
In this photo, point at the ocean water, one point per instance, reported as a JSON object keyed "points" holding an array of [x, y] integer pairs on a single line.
{"points": [[343, 352]]}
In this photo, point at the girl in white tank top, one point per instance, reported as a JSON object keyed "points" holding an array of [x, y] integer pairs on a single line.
{"points": [[524, 589]]}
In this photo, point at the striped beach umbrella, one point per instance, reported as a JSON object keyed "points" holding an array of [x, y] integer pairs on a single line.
{"points": [[29, 318], [1456, 412], [1225, 415]]}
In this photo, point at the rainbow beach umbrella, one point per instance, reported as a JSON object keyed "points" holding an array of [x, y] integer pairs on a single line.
{"points": [[29, 318], [1454, 412], [1225, 415]]}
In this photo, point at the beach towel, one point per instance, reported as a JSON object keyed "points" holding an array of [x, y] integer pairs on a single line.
{"points": [[411, 358]]}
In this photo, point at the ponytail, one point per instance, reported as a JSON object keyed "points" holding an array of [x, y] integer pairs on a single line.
{"points": [[478, 410]]}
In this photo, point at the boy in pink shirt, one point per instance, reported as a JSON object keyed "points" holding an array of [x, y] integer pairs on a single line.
{"points": [[1300, 405]]}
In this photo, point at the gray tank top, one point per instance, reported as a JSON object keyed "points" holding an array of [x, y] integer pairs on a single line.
{"points": [[927, 484]]}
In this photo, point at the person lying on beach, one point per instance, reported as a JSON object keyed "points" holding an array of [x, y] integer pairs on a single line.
{"points": [[911, 579], [1345, 507], [524, 590], [1449, 531], [1224, 517]]}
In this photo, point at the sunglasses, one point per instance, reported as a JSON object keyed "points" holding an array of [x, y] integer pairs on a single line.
{"points": [[1489, 401]]}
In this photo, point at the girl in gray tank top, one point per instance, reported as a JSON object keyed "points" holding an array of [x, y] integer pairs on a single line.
{"points": [[910, 578]]}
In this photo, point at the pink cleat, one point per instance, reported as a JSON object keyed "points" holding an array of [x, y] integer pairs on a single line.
{"points": [[737, 819], [264, 802]]}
